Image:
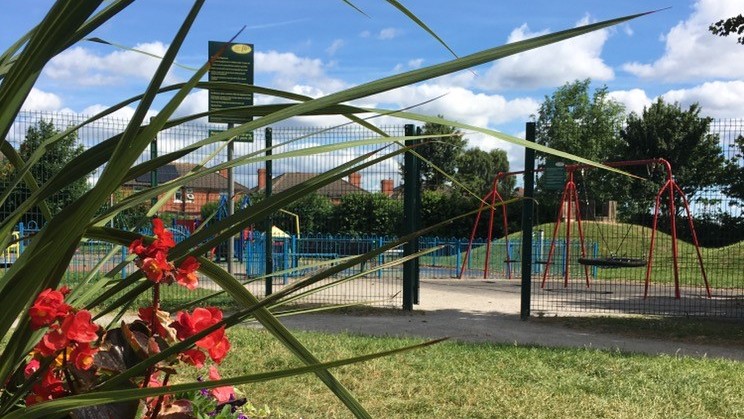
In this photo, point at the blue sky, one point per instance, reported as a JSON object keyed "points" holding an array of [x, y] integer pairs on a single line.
{"points": [[318, 47]]}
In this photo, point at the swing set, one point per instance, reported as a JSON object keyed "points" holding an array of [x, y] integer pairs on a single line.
{"points": [[570, 200]]}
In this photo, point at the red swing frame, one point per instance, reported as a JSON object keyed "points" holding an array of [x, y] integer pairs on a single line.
{"points": [[570, 197]]}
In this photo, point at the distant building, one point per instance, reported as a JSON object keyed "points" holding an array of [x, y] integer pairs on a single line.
{"points": [[333, 191], [191, 197]]}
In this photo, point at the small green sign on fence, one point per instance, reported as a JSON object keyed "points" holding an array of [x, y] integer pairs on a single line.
{"points": [[554, 176], [242, 138]]}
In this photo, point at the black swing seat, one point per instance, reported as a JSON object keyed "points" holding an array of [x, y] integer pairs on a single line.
{"points": [[613, 262]]}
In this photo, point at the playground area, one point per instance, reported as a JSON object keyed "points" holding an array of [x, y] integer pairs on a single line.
{"points": [[590, 248]]}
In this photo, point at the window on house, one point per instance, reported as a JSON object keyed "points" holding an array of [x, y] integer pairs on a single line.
{"points": [[180, 195]]}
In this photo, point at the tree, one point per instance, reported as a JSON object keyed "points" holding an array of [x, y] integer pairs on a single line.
{"points": [[314, 211], [477, 168], [725, 27], [441, 152], [368, 213], [52, 162], [734, 173], [572, 121], [682, 137]]}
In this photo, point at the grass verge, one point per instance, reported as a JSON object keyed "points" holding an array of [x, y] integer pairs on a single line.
{"points": [[458, 380], [726, 332]]}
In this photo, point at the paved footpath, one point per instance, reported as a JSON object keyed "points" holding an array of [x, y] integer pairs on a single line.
{"points": [[475, 311]]}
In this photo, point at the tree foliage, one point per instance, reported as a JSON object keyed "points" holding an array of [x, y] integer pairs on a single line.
{"points": [[683, 138], [573, 121], [314, 211], [734, 172], [732, 25], [364, 213], [587, 125], [440, 151], [476, 170], [52, 162]]}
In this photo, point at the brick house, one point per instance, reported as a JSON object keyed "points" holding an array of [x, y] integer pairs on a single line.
{"points": [[189, 199], [333, 191]]}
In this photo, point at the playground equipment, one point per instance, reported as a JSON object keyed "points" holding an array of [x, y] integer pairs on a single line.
{"points": [[495, 197], [569, 199]]}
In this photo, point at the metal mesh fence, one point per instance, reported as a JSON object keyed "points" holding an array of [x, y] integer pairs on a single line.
{"points": [[560, 283], [190, 205], [641, 270]]}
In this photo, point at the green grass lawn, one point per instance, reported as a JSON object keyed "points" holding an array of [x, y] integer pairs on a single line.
{"points": [[462, 380]]}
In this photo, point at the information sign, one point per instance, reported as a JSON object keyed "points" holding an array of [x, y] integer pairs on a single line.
{"points": [[235, 64]]}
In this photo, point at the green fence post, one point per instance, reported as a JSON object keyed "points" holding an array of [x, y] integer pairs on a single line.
{"points": [[411, 222], [269, 248], [154, 173], [527, 210]]}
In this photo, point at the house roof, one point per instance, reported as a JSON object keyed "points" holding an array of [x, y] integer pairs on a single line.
{"points": [[334, 190], [211, 181]]}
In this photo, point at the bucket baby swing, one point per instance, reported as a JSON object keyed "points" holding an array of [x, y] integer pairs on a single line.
{"points": [[570, 201]]}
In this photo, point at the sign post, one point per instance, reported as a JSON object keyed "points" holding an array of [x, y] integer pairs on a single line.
{"points": [[234, 64]]}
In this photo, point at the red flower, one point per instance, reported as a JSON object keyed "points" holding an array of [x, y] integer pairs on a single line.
{"points": [[156, 267], [48, 307], [49, 388], [32, 366], [82, 356], [187, 325], [223, 394], [54, 340], [186, 273], [193, 357], [219, 350], [184, 325], [138, 248], [79, 328], [164, 237]]}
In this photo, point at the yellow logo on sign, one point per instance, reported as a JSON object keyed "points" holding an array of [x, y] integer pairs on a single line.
{"points": [[241, 49]]}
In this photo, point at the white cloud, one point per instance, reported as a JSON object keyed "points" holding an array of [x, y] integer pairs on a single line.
{"points": [[365, 34], [410, 65], [460, 104], [195, 102], [415, 63], [387, 34], [335, 46], [717, 99], [634, 100], [692, 52], [549, 66], [295, 73], [38, 100], [84, 67]]}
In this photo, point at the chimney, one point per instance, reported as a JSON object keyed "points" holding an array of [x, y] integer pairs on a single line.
{"points": [[387, 187], [356, 179], [223, 173], [261, 179]]}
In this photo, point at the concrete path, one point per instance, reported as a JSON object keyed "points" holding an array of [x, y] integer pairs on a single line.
{"points": [[476, 311]]}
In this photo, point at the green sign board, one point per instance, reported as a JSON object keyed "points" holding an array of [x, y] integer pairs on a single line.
{"points": [[235, 64], [554, 176], [242, 138]]}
